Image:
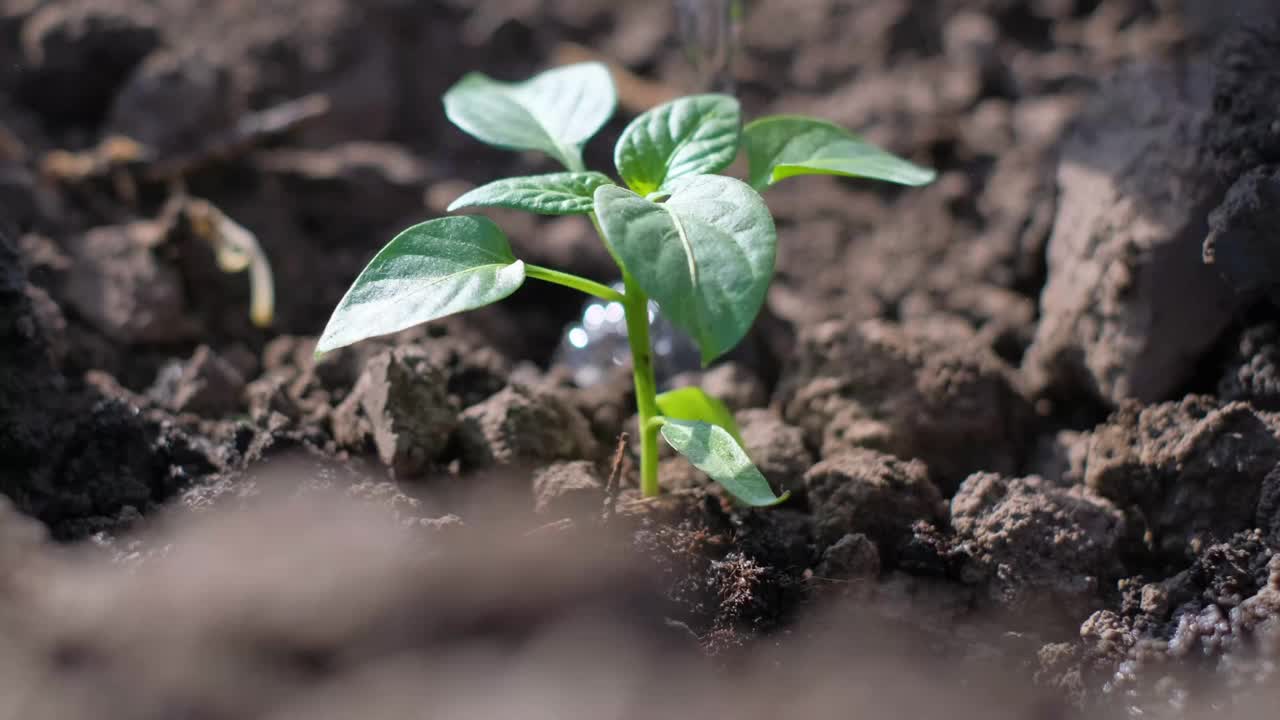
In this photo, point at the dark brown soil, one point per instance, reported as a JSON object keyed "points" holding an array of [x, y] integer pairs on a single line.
{"points": [[1030, 414]]}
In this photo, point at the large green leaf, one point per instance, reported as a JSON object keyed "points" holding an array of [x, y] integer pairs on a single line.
{"points": [[784, 146], [437, 268], [555, 112], [692, 403], [568, 193], [706, 255], [694, 135], [711, 449]]}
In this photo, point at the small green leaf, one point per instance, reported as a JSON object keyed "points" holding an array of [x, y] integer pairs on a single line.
{"points": [[694, 135], [706, 255], [692, 403], [568, 193], [713, 450], [437, 268], [555, 112], [784, 146]]}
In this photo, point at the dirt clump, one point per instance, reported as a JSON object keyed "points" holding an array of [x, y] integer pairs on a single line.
{"points": [[402, 403], [63, 43], [948, 401], [1240, 244], [1241, 132], [852, 557], [118, 285], [864, 491], [568, 489], [1185, 472], [1219, 611], [523, 424], [207, 384], [1014, 536], [1135, 188], [76, 460], [291, 389], [1251, 371]]}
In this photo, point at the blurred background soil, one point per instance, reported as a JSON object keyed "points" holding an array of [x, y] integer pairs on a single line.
{"points": [[1030, 414]]}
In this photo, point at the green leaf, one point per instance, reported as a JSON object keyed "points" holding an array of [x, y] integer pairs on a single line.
{"points": [[692, 403], [437, 268], [784, 146], [713, 450], [706, 255], [694, 135], [568, 193], [555, 112]]}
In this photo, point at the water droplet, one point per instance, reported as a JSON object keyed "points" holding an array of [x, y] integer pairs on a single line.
{"points": [[599, 342], [615, 313]]}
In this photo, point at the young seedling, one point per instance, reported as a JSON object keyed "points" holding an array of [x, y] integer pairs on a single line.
{"points": [[701, 245]]}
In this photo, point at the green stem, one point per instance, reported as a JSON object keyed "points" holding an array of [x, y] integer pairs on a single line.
{"points": [[637, 313], [636, 306], [590, 287]]}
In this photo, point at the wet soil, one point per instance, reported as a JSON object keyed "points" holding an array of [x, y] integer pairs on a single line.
{"points": [[1029, 415]]}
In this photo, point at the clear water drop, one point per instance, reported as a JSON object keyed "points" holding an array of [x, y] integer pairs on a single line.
{"points": [[597, 342]]}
